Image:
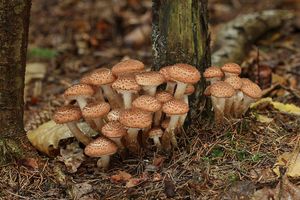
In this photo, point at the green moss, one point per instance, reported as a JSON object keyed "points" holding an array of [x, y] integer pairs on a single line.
{"points": [[9, 149], [19, 7]]}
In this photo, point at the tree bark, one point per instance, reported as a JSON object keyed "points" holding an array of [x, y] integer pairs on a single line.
{"points": [[180, 35], [14, 23]]}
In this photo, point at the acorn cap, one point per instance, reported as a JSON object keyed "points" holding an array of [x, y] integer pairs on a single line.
{"points": [[67, 114], [114, 115], [184, 73], [95, 110], [213, 72], [221, 89], [165, 123], [149, 78], [232, 68], [252, 90], [165, 72], [175, 107], [190, 89], [113, 129], [163, 96], [234, 81], [126, 83], [101, 147], [147, 103], [101, 76], [155, 132], [79, 90], [127, 66], [135, 118]]}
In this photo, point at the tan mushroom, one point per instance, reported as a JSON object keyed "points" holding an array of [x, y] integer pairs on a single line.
{"points": [[252, 93], [96, 112], [190, 89], [149, 81], [170, 83], [69, 115], [162, 97], [127, 66], [213, 74], [101, 147], [234, 102], [155, 134], [114, 130], [114, 115], [231, 69]]}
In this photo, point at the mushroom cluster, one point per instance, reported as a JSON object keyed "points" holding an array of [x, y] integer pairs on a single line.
{"points": [[231, 95], [129, 108]]}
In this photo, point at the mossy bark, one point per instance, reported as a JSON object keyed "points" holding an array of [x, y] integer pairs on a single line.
{"points": [[180, 35], [14, 23]]}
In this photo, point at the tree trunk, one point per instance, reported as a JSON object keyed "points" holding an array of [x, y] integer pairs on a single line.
{"points": [[14, 22], [180, 35]]}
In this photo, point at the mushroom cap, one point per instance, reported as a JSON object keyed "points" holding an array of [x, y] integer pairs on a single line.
{"points": [[207, 91], [67, 114], [149, 78], [213, 72], [175, 107], [79, 90], [135, 118], [165, 72], [101, 76], [190, 89], [232, 68], [163, 96], [165, 123], [252, 90], [234, 81], [246, 81], [147, 103], [95, 110], [221, 89], [113, 129], [126, 83], [127, 66], [101, 147], [184, 73], [114, 115], [155, 132]]}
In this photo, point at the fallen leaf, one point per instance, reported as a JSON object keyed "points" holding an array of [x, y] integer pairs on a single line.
{"points": [[157, 177], [158, 161], [120, 177], [263, 119], [30, 162], [133, 182], [79, 190]]}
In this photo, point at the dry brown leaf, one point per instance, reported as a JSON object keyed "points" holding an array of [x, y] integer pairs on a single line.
{"points": [[158, 161], [133, 182], [79, 190], [120, 177]]}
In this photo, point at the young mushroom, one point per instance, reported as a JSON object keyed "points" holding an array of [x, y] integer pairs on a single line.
{"points": [[220, 91], [114, 130], [69, 115], [114, 115], [231, 69], [103, 78], [149, 81], [127, 86], [234, 102], [135, 120], [183, 74], [162, 97], [155, 134], [170, 83], [96, 111], [213, 74], [174, 108], [80, 93], [101, 147], [127, 66], [190, 89]]}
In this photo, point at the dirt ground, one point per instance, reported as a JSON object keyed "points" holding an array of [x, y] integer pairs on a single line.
{"points": [[71, 37]]}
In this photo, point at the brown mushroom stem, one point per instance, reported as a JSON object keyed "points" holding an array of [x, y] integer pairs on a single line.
{"points": [[132, 139], [237, 101], [219, 106], [170, 87], [99, 123], [150, 90], [81, 102], [127, 98], [180, 89], [78, 134], [171, 129], [99, 95], [103, 162], [183, 117], [157, 142], [111, 96], [118, 142], [157, 117]]}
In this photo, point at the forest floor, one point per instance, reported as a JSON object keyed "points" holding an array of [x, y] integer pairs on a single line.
{"points": [[69, 38]]}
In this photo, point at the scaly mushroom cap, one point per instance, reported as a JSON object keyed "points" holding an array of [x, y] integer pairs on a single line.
{"points": [[149, 78], [98, 77], [165, 72], [95, 110], [221, 89], [190, 89], [155, 132], [147, 103], [213, 72], [127, 66], [234, 81], [77, 90], [114, 115], [134, 118], [126, 83], [184, 73], [165, 123], [175, 107], [232, 68], [114, 129], [66, 114], [252, 90], [246, 81], [163, 96], [101, 147]]}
